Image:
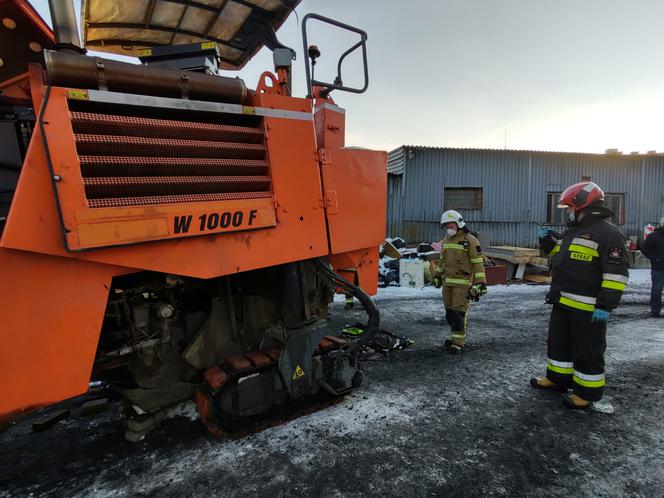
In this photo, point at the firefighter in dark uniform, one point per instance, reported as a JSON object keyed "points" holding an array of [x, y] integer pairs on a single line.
{"points": [[653, 249], [589, 270], [463, 276]]}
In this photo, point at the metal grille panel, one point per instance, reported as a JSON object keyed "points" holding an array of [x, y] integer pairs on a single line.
{"points": [[175, 166], [165, 147], [106, 124], [174, 199], [171, 185], [135, 161]]}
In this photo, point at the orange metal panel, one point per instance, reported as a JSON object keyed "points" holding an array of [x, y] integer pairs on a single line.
{"points": [[118, 226], [355, 183], [166, 222], [114, 232], [17, 87], [330, 124], [363, 263], [52, 309], [33, 223]]}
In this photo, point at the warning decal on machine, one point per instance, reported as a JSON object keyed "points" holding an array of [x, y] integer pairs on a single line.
{"points": [[298, 373]]}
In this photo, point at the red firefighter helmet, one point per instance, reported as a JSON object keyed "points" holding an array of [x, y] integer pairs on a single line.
{"points": [[580, 195]]}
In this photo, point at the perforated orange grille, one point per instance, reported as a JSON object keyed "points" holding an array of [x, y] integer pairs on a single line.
{"points": [[90, 123], [176, 166], [172, 185], [131, 161], [166, 147], [172, 199]]}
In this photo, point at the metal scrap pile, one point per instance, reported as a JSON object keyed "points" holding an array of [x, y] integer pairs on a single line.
{"points": [[381, 343], [394, 253]]}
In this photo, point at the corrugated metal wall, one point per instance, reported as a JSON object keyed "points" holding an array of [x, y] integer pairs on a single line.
{"points": [[396, 160], [515, 186], [394, 214]]}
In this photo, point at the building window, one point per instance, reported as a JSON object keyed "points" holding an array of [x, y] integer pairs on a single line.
{"points": [[554, 215], [463, 198], [616, 203], [557, 216]]}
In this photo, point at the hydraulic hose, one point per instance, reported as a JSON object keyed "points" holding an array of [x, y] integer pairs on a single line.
{"points": [[373, 322]]}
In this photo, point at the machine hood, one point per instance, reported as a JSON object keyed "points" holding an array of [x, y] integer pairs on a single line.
{"points": [[128, 27]]}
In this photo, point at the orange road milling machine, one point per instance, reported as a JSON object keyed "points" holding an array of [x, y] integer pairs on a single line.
{"points": [[166, 229]]}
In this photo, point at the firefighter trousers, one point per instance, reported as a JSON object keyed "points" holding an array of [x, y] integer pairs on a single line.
{"points": [[455, 299], [575, 349], [656, 291]]}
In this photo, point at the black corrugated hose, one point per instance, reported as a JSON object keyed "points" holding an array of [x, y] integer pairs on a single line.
{"points": [[373, 322]]}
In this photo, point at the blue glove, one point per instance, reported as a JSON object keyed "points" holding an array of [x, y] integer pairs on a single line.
{"points": [[600, 315], [543, 232]]}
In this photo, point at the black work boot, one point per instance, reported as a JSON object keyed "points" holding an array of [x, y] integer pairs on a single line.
{"points": [[545, 384], [456, 349], [574, 402], [451, 347]]}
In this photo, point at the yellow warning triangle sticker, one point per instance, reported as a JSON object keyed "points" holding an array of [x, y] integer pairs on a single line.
{"points": [[298, 372]]}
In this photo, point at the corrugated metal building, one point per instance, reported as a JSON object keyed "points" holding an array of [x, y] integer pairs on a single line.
{"points": [[506, 192]]}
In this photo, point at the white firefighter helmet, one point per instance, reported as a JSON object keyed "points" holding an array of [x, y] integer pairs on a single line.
{"points": [[452, 216]]}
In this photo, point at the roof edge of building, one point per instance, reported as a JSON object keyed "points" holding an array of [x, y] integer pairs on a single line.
{"points": [[524, 151]]}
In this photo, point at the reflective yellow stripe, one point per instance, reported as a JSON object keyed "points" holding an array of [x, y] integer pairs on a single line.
{"points": [[555, 250], [563, 364], [616, 278], [609, 284], [458, 338], [580, 257], [449, 245], [576, 304], [589, 383], [583, 250], [457, 281], [477, 260], [586, 243], [580, 298], [480, 275], [560, 370]]}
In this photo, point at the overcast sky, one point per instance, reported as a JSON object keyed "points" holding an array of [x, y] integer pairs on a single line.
{"points": [[564, 75]]}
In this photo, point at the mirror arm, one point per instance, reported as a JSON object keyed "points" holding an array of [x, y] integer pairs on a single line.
{"points": [[337, 85], [338, 80]]}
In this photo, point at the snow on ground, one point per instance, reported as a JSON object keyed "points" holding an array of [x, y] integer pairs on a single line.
{"points": [[637, 278], [365, 413], [425, 423]]}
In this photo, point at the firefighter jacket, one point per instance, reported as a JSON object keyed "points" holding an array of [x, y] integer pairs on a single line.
{"points": [[462, 260], [653, 249], [589, 265]]}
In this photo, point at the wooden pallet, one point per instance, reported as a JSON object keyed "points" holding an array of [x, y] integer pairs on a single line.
{"points": [[516, 259], [515, 255]]}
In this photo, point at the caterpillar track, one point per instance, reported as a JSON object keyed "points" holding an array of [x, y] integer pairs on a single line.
{"points": [[219, 399]]}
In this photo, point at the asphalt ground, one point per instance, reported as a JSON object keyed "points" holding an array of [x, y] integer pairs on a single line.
{"points": [[425, 423]]}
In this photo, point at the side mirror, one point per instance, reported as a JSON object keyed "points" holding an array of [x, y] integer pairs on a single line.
{"points": [[314, 53]]}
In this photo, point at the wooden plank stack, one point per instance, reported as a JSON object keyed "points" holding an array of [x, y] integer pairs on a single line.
{"points": [[517, 259]]}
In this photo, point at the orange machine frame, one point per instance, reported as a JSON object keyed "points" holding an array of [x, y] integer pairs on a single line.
{"points": [[328, 201]]}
